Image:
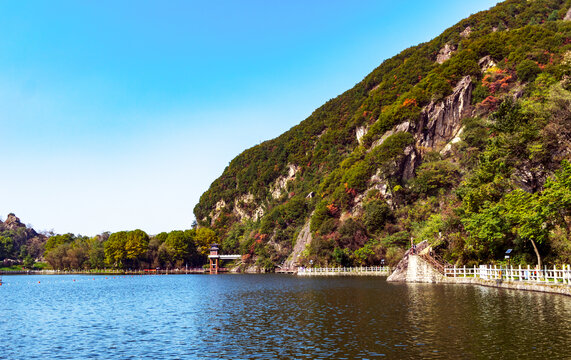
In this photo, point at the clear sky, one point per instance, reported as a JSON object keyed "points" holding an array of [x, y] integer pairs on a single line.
{"points": [[117, 115]]}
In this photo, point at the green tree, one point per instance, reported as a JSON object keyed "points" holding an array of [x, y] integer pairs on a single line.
{"points": [[553, 16], [527, 219], [204, 238], [527, 70], [56, 240], [6, 247], [115, 254], [28, 262], [56, 258], [96, 254], [377, 213], [556, 199], [364, 254], [180, 244], [342, 257], [136, 244], [488, 232], [435, 175]]}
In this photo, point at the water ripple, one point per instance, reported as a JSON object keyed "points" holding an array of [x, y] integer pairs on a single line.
{"points": [[274, 317]]}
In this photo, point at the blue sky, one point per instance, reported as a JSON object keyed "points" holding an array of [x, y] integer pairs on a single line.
{"points": [[116, 115]]}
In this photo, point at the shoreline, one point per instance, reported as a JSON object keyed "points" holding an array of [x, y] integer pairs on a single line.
{"points": [[511, 285], [560, 289], [104, 272]]}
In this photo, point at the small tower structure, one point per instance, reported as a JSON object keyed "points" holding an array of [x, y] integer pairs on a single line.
{"points": [[214, 258]]}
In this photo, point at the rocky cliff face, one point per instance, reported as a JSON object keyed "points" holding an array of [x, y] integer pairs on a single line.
{"points": [[302, 241], [441, 122], [445, 53], [12, 223], [439, 126], [20, 237]]}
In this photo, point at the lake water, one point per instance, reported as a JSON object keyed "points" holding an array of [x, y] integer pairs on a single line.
{"points": [[275, 317]]}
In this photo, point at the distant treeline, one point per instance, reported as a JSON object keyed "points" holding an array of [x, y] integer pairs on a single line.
{"points": [[130, 250]]}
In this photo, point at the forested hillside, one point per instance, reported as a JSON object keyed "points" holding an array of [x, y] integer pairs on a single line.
{"points": [[19, 244], [463, 140]]}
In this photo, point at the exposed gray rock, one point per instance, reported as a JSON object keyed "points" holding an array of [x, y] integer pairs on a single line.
{"points": [[12, 222], [445, 53], [486, 63], [303, 239], [280, 184], [439, 123], [380, 183], [215, 213], [403, 127], [568, 15], [466, 33], [242, 208], [530, 179], [410, 162], [438, 127], [447, 150], [360, 132]]}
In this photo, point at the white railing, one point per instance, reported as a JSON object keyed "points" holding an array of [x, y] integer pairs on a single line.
{"points": [[372, 270], [547, 275]]}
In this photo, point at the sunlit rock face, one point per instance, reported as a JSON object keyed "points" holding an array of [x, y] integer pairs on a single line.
{"points": [[441, 122]]}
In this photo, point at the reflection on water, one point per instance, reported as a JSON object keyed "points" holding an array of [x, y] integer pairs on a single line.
{"points": [[275, 316], [482, 322]]}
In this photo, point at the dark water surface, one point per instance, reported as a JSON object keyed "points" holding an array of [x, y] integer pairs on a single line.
{"points": [[275, 317]]}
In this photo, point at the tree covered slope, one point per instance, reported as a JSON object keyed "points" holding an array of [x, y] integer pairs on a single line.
{"points": [[463, 140]]}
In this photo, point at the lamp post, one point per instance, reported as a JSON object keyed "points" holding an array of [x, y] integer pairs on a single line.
{"points": [[508, 252]]}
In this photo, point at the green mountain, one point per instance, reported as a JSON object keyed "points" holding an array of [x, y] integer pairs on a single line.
{"points": [[463, 140], [19, 244]]}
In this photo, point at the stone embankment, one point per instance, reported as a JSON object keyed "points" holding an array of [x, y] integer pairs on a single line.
{"points": [[419, 267], [414, 268], [514, 285], [352, 271]]}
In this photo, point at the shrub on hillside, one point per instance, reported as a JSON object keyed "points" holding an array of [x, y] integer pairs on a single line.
{"points": [[527, 70]]}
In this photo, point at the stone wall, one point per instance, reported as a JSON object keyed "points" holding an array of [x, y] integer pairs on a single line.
{"points": [[514, 285], [415, 269]]}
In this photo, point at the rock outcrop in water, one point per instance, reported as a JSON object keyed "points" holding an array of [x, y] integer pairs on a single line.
{"points": [[414, 267]]}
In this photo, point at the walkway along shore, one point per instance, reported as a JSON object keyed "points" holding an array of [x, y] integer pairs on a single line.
{"points": [[110, 272], [421, 267], [363, 270], [554, 280]]}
